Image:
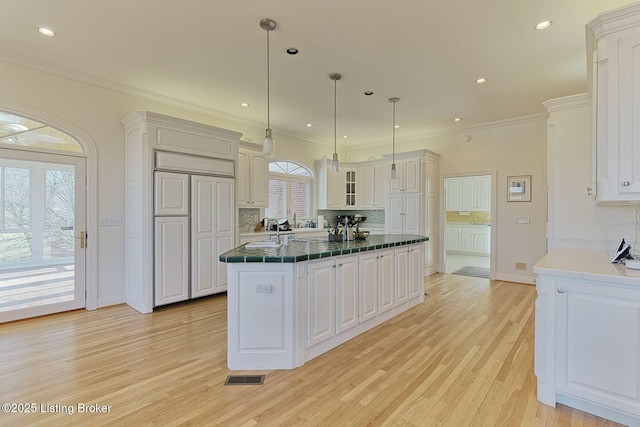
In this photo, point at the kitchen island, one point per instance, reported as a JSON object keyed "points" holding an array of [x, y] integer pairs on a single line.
{"points": [[289, 304], [587, 334]]}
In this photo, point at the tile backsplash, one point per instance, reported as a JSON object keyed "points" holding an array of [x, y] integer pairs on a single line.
{"points": [[249, 217]]}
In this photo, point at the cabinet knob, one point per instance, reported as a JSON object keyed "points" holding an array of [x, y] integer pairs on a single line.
{"points": [[625, 183], [561, 291]]}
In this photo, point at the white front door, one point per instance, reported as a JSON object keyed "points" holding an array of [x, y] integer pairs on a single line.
{"points": [[42, 233]]}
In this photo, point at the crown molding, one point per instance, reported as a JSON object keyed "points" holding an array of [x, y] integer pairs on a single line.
{"points": [[567, 102]]}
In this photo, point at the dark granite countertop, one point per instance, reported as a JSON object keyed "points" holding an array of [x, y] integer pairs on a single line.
{"points": [[313, 248]]}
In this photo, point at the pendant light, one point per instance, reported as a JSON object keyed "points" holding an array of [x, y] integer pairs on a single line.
{"points": [[394, 172], [268, 144], [335, 164]]}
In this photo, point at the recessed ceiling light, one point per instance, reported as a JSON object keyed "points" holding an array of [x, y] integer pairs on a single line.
{"points": [[369, 93], [46, 32], [481, 80], [396, 126], [543, 25], [309, 125], [457, 119], [244, 104], [345, 136], [292, 51]]}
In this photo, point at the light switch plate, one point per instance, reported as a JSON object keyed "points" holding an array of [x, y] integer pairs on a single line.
{"points": [[110, 221], [522, 219]]}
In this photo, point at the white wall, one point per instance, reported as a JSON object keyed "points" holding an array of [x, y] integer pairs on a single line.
{"points": [[96, 111], [514, 147], [575, 219]]}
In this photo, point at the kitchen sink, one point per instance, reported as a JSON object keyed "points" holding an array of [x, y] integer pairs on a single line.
{"points": [[263, 244]]}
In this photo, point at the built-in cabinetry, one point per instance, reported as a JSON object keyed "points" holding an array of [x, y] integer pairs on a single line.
{"points": [[613, 39], [587, 352], [252, 177], [468, 239], [179, 209], [412, 199], [313, 306], [469, 193]]}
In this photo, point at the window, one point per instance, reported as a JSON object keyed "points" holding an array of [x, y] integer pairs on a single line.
{"points": [[289, 190], [21, 131]]}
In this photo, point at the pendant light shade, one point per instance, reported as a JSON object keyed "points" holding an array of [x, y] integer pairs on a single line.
{"points": [[268, 144], [394, 171], [335, 164]]}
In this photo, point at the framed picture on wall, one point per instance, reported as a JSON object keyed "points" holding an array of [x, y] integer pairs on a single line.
{"points": [[519, 188]]}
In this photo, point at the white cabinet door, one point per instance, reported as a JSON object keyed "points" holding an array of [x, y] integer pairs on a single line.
{"points": [[171, 193], [402, 275], [386, 275], [403, 214], [452, 238], [454, 194], [346, 293], [408, 176], [416, 275], [321, 317], [171, 260], [366, 187], [598, 339], [412, 214], [212, 233], [469, 193], [617, 107], [368, 266], [483, 193], [253, 179], [335, 189]]}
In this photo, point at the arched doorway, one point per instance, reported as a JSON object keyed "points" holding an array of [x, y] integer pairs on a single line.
{"points": [[42, 219]]}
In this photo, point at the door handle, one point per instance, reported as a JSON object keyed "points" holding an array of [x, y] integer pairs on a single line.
{"points": [[83, 239]]}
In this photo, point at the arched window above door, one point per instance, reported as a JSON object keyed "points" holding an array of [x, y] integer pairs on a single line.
{"points": [[25, 132]]}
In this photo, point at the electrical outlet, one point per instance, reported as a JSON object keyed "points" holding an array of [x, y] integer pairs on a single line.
{"points": [[521, 265], [263, 289]]}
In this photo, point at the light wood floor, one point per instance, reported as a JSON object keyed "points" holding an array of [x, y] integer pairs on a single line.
{"points": [[463, 358]]}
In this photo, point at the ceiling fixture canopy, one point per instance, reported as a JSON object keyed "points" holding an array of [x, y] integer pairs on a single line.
{"points": [[394, 172], [335, 164], [268, 144]]}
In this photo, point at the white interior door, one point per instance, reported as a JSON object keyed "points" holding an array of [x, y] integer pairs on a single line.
{"points": [[42, 233]]}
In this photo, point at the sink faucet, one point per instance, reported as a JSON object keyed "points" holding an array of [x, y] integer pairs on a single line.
{"points": [[275, 221]]}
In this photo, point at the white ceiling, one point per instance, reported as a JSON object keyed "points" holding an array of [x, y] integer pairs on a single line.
{"points": [[212, 53]]}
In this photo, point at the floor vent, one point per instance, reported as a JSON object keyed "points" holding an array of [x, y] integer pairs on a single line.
{"points": [[244, 380]]}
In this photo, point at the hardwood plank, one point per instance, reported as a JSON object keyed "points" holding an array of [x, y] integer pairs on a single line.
{"points": [[463, 358]]}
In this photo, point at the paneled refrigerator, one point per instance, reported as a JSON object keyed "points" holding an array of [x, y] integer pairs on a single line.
{"points": [[193, 224]]}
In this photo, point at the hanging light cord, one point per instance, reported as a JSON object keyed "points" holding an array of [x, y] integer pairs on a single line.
{"points": [[335, 115], [268, 110], [393, 155]]}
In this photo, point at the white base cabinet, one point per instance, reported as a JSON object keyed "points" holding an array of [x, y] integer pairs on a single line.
{"points": [[281, 315], [587, 335], [468, 239]]}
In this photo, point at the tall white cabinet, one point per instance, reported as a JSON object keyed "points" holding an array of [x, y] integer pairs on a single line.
{"points": [[412, 199], [613, 39], [179, 213]]}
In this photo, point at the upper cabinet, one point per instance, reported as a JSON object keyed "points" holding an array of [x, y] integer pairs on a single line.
{"points": [[409, 175], [613, 39], [329, 186], [371, 181], [253, 178], [469, 193]]}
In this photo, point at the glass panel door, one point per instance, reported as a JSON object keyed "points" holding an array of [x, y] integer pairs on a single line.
{"points": [[42, 238]]}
